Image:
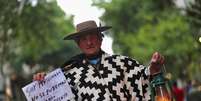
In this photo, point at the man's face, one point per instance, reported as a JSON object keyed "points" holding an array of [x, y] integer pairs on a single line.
{"points": [[90, 44]]}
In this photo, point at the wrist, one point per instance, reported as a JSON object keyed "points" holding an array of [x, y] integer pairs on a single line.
{"points": [[154, 69]]}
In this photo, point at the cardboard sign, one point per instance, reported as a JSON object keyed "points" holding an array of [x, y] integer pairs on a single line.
{"points": [[53, 88]]}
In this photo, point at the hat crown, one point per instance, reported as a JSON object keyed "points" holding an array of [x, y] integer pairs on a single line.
{"points": [[86, 25]]}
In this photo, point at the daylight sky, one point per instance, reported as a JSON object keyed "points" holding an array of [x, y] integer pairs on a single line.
{"points": [[83, 11]]}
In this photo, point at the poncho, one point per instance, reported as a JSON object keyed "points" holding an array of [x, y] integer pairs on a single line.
{"points": [[114, 78]]}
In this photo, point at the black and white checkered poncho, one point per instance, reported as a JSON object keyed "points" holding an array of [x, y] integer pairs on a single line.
{"points": [[114, 78]]}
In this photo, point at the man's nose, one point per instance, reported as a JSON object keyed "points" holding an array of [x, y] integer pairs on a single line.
{"points": [[89, 41]]}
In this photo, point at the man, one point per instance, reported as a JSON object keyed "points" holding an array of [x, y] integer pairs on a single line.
{"points": [[96, 75]]}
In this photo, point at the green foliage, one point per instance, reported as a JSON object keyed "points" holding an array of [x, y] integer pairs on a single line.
{"points": [[33, 32], [39, 29], [141, 27], [193, 12]]}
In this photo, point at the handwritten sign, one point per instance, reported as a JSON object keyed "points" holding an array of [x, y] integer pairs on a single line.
{"points": [[53, 88]]}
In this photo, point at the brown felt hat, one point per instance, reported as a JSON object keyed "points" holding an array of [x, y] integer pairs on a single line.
{"points": [[86, 28]]}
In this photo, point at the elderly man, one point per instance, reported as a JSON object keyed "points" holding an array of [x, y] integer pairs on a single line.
{"points": [[96, 75]]}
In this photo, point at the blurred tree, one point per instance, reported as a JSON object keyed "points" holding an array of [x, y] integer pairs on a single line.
{"points": [[193, 11], [141, 27], [5, 30], [32, 29]]}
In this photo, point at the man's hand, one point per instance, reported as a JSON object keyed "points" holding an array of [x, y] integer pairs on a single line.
{"points": [[157, 62], [39, 76]]}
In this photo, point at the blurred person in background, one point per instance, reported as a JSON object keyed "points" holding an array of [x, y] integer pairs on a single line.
{"points": [[179, 93]]}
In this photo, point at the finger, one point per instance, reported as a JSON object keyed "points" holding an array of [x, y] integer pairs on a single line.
{"points": [[155, 57], [34, 77], [159, 58], [41, 76], [162, 60]]}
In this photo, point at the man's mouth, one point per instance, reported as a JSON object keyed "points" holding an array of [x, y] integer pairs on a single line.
{"points": [[90, 47]]}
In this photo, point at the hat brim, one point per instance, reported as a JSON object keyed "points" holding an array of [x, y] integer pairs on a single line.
{"points": [[75, 35]]}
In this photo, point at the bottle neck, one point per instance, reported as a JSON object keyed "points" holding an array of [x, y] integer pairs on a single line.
{"points": [[159, 88]]}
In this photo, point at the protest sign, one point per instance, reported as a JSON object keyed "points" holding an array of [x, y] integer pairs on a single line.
{"points": [[53, 88]]}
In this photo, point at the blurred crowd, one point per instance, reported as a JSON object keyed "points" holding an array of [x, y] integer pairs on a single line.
{"points": [[186, 90]]}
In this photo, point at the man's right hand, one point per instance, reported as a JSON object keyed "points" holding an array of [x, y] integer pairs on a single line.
{"points": [[39, 76]]}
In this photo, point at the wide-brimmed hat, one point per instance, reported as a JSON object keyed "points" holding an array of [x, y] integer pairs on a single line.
{"points": [[84, 28]]}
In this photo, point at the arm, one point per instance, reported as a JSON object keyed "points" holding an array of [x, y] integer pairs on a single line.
{"points": [[156, 63]]}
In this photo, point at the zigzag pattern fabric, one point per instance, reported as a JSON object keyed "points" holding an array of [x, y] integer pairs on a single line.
{"points": [[115, 78]]}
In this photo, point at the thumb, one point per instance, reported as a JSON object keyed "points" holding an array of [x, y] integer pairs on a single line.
{"points": [[154, 57]]}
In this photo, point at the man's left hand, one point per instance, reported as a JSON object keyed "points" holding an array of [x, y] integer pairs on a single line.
{"points": [[157, 62]]}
